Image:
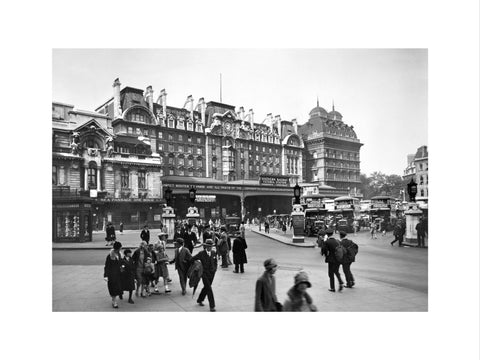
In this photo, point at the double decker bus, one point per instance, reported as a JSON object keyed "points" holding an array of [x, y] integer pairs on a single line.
{"points": [[384, 207], [350, 210]]}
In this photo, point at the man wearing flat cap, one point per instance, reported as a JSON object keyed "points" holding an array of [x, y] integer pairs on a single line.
{"points": [[328, 249], [265, 297], [181, 260], [208, 258]]}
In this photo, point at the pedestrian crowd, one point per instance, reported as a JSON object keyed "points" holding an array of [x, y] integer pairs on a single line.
{"points": [[145, 271]]}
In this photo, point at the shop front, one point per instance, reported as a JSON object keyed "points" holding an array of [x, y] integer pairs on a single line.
{"points": [[132, 213], [72, 220]]}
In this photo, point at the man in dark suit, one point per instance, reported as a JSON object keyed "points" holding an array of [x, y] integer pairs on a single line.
{"points": [[328, 249], [181, 260], [348, 258], [208, 258], [145, 234], [190, 239], [265, 297]]}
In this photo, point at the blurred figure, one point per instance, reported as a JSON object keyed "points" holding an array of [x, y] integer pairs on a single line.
{"points": [[297, 297]]}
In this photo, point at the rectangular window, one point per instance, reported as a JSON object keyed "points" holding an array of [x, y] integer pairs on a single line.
{"points": [[124, 179], [190, 162], [170, 148], [92, 178], [160, 146], [199, 151], [189, 139], [180, 137], [170, 172], [137, 131], [141, 180], [54, 175], [181, 161], [189, 126], [199, 140], [256, 148], [214, 163], [190, 150], [130, 130], [160, 135], [145, 132], [170, 160], [161, 172], [181, 172], [180, 148], [263, 148], [170, 137]]}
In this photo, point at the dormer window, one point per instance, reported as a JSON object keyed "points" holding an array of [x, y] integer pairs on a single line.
{"points": [[189, 126]]}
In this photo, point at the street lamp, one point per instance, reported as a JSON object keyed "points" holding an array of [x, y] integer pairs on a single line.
{"points": [[296, 193], [192, 194], [167, 194], [412, 190]]}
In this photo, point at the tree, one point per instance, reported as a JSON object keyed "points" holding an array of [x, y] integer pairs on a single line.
{"points": [[380, 184]]}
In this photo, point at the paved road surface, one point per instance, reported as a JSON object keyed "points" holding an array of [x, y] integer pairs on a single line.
{"points": [[387, 279]]}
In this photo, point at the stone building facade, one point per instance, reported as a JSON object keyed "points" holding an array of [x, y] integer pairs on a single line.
{"points": [[417, 169], [121, 156], [332, 151]]}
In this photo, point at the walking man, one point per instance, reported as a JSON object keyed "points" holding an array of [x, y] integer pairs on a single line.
{"points": [[190, 239], [348, 258], [145, 234], [208, 258], [181, 260], [398, 233], [222, 246], [265, 297], [328, 250]]}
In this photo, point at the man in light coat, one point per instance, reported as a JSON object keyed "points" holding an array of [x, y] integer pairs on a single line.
{"points": [[181, 260], [265, 297]]}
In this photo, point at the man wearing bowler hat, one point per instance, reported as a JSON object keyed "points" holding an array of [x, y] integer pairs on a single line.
{"points": [[208, 258], [328, 249], [181, 260]]}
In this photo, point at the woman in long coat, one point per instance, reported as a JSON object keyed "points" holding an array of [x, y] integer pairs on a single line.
{"points": [[112, 273], [239, 254], [128, 274]]}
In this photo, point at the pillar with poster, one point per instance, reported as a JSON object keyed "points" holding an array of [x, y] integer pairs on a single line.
{"points": [[298, 217]]}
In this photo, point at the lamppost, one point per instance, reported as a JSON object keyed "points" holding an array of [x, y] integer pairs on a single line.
{"points": [[412, 190], [412, 215], [296, 193], [192, 213], [167, 194]]}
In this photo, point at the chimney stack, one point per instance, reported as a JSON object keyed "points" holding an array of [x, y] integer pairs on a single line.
{"points": [[149, 97], [250, 112], [295, 126], [203, 107], [117, 110], [162, 101], [276, 123]]}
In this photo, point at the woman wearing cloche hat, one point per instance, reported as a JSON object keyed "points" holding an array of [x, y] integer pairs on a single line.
{"points": [[297, 297]]}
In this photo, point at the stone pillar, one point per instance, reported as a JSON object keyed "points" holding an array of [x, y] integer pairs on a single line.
{"points": [[412, 216], [98, 180], [242, 207], [85, 186], [168, 220]]}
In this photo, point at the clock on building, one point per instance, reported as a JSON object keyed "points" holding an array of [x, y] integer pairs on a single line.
{"points": [[227, 126]]}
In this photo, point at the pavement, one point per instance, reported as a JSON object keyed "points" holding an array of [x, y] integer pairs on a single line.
{"points": [[82, 288]]}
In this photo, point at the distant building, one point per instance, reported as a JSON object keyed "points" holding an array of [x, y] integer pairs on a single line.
{"points": [[332, 155], [417, 169]]}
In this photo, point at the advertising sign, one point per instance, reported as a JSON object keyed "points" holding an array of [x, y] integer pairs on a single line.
{"points": [[274, 180]]}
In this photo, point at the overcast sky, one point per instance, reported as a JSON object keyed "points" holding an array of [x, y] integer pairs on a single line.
{"points": [[382, 93]]}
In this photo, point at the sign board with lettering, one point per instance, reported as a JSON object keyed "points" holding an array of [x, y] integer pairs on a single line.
{"points": [[274, 180]]}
